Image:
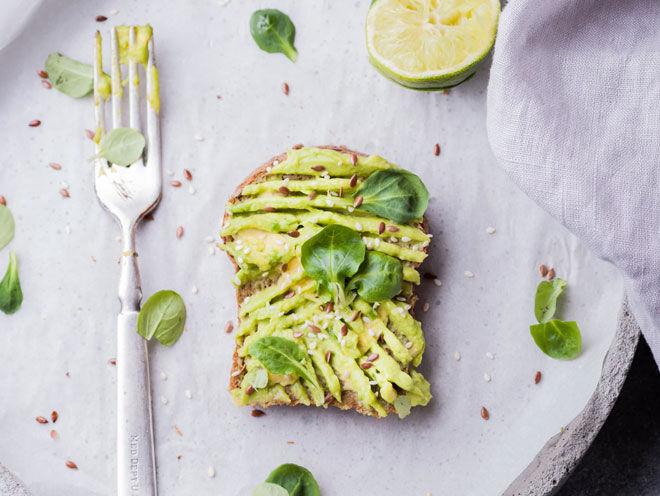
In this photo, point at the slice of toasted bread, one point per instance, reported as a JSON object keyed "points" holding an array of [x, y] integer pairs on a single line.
{"points": [[349, 398]]}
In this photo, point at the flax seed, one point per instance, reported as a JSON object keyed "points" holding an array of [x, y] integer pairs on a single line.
{"points": [[285, 88], [344, 330], [312, 195], [366, 365], [269, 209], [358, 201], [178, 431], [372, 357], [55, 166], [112, 361], [341, 191], [249, 390], [543, 270], [328, 356], [175, 183], [551, 275], [71, 465], [54, 434], [354, 159], [42, 74], [445, 92], [54, 416], [3, 200], [353, 181], [41, 420], [436, 149], [90, 134], [229, 326], [298, 334], [392, 228], [65, 193], [381, 228], [355, 316], [284, 190], [537, 377], [297, 147], [187, 175], [257, 413], [290, 294], [34, 123], [484, 413], [46, 84], [179, 232], [314, 329], [318, 168], [329, 307], [101, 18], [294, 234]]}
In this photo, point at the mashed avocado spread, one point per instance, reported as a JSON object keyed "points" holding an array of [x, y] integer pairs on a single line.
{"points": [[360, 351]]}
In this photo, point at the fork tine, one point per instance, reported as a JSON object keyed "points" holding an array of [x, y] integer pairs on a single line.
{"points": [[153, 101], [117, 89], [99, 113], [134, 84]]}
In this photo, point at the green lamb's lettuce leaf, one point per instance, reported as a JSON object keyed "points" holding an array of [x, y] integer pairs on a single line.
{"points": [[280, 356], [545, 302], [121, 146], [379, 278], [163, 316], [297, 480], [11, 295], [273, 32], [558, 339], [6, 226]]}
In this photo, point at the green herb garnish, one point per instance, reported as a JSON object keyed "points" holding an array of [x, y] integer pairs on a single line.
{"points": [[121, 146], [297, 480], [163, 317], [558, 339], [545, 302], [331, 256], [281, 356], [379, 277], [11, 296], [274, 32], [71, 77], [396, 194], [6, 226], [269, 489]]}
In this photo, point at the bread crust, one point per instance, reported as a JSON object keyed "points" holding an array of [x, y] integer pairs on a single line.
{"points": [[349, 398]]}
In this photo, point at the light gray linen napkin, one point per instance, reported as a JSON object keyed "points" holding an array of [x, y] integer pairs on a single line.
{"points": [[574, 118]]}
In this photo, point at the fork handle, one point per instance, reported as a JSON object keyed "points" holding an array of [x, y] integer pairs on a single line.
{"points": [[136, 474]]}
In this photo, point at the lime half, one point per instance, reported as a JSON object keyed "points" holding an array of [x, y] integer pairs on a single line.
{"points": [[430, 44]]}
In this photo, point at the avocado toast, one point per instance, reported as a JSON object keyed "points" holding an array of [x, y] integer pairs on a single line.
{"points": [[326, 242]]}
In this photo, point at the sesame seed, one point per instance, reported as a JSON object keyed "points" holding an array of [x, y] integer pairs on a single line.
{"points": [[457, 356], [490, 230], [329, 202], [426, 307], [114, 12], [212, 251], [188, 394], [489, 355], [351, 209], [358, 226], [194, 290], [468, 274], [164, 400], [486, 377], [192, 190], [437, 282], [312, 345], [405, 239], [409, 344], [199, 138], [169, 172], [211, 472]]}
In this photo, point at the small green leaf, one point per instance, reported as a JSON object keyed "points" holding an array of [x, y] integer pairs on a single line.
{"points": [[396, 194], [69, 76], [558, 339], [297, 480], [280, 356], [257, 378], [332, 255], [269, 489], [274, 32], [379, 277], [121, 146], [545, 302], [402, 406], [163, 317], [6, 226], [11, 296]]}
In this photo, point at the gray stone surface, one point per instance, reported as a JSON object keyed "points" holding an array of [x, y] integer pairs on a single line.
{"points": [[560, 456], [624, 460]]}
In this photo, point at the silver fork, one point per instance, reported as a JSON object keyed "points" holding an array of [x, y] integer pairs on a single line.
{"points": [[129, 193]]}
